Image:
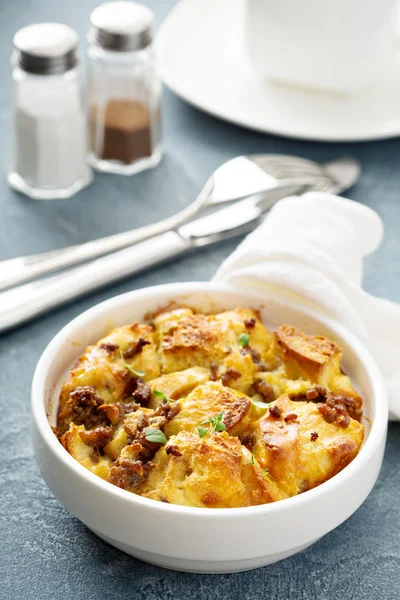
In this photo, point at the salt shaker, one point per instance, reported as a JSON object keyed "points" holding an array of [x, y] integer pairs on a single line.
{"points": [[124, 92], [49, 158]]}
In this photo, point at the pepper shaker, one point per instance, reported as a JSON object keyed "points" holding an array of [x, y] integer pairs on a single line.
{"points": [[49, 158], [124, 91]]}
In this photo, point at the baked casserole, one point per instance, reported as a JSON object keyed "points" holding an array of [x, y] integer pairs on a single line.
{"points": [[211, 410]]}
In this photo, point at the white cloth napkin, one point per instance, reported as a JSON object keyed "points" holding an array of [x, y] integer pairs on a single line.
{"points": [[313, 247]]}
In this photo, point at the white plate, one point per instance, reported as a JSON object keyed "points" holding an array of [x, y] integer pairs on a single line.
{"points": [[201, 57]]}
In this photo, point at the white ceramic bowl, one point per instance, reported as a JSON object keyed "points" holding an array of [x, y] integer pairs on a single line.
{"points": [[196, 539]]}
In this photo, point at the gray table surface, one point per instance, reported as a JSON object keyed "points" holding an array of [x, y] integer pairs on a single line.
{"points": [[47, 553]]}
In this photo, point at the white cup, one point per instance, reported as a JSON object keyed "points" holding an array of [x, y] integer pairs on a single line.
{"points": [[333, 45]]}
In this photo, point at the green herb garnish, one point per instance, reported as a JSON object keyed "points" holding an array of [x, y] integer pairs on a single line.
{"points": [[266, 471], [131, 369], [216, 423], [155, 435], [244, 339], [161, 395], [259, 404], [252, 461]]}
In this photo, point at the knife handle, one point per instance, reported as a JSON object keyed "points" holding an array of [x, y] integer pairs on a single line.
{"points": [[30, 300]]}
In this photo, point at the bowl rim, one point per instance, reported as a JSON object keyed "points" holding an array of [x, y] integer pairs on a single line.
{"points": [[39, 415]]}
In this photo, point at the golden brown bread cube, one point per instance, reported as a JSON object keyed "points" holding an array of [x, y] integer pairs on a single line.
{"points": [[214, 342], [176, 385], [272, 384], [104, 370], [88, 456], [215, 471], [133, 424], [303, 444], [128, 426], [313, 358], [207, 401], [115, 446]]}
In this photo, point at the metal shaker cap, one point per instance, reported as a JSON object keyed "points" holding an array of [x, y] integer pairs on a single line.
{"points": [[46, 48], [121, 26]]}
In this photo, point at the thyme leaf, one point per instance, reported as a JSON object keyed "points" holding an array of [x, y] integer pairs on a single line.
{"points": [[155, 435], [216, 423], [202, 431], [244, 339], [131, 369], [161, 395], [252, 461]]}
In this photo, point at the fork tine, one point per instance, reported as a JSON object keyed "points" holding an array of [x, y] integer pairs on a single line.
{"points": [[281, 166], [290, 172], [287, 170], [282, 158], [287, 165]]}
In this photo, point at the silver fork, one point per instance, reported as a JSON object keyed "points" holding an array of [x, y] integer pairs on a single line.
{"points": [[239, 178]]}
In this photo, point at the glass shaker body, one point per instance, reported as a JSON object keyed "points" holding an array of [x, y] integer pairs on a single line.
{"points": [[49, 156], [124, 96]]}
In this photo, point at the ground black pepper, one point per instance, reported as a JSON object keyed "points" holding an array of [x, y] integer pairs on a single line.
{"points": [[122, 132]]}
